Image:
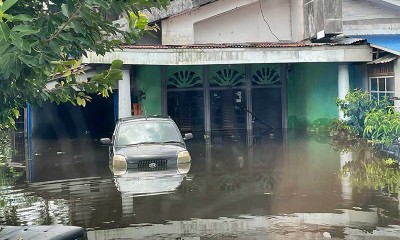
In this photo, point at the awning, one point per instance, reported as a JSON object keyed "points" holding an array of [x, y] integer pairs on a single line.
{"points": [[385, 59], [388, 43]]}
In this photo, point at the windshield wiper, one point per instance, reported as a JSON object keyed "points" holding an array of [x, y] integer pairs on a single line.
{"points": [[172, 142], [141, 143]]}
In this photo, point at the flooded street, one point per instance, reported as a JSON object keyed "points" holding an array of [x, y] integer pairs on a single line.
{"points": [[288, 187]]}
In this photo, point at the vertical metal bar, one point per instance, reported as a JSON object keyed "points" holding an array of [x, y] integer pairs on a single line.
{"points": [[283, 74], [207, 106], [164, 97], [29, 141], [116, 105], [249, 106]]}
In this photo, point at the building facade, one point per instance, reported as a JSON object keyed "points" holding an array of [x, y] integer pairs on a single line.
{"points": [[235, 70]]}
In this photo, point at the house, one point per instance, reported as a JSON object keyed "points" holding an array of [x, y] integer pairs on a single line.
{"points": [[231, 70], [378, 21]]}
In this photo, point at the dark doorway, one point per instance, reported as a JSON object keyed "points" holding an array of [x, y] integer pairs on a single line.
{"points": [[228, 115], [186, 108], [267, 111], [96, 120]]}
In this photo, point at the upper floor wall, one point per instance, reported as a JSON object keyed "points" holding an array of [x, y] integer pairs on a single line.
{"points": [[322, 18], [241, 21], [248, 23], [364, 17]]}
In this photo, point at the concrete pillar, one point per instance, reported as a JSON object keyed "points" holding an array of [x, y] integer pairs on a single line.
{"points": [[397, 77], [124, 95], [343, 84]]}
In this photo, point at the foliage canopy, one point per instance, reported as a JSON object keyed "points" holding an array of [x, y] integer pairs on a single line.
{"points": [[43, 40]]}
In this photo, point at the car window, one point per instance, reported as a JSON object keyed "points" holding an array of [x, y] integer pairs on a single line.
{"points": [[147, 131]]}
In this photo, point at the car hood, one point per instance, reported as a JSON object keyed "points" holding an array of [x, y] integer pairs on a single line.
{"points": [[146, 151]]}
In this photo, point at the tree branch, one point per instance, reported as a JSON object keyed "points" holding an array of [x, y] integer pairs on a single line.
{"points": [[70, 19]]}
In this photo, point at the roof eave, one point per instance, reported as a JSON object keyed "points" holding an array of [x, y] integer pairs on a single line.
{"points": [[175, 8], [393, 4], [245, 55]]}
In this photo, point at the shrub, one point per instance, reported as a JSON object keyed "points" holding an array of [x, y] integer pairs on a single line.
{"points": [[356, 106], [382, 126]]}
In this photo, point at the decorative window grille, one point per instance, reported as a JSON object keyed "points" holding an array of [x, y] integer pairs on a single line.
{"points": [[266, 76]]}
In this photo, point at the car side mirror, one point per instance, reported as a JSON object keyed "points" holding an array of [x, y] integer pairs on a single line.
{"points": [[188, 136], [105, 141]]}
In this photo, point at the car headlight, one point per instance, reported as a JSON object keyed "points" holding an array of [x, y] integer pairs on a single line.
{"points": [[184, 168], [119, 164], [183, 157]]}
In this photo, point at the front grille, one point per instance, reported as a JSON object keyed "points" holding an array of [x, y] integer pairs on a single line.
{"points": [[153, 165]]}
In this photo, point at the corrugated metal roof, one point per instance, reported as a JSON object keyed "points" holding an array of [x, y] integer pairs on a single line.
{"points": [[344, 41], [385, 59], [388, 43]]}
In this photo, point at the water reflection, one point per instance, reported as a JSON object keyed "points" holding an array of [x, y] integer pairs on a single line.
{"points": [[285, 187], [144, 183]]}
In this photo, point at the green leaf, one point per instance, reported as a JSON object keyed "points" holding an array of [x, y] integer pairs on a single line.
{"points": [[26, 46], [55, 47], [7, 5], [64, 9], [67, 37], [4, 46], [9, 17], [22, 18], [16, 39], [117, 64], [15, 112], [10, 64], [29, 60], [4, 31], [25, 30], [86, 17], [79, 28], [67, 73]]}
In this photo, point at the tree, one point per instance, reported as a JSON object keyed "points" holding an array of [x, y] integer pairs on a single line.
{"points": [[43, 40]]}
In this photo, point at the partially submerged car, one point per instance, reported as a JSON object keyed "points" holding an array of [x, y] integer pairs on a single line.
{"points": [[147, 143]]}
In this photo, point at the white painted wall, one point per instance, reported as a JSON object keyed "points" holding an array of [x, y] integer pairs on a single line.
{"points": [[237, 16], [297, 20], [362, 17], [246, 24]]}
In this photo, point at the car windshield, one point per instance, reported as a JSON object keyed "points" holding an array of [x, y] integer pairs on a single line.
{"points": [[147, 132]]}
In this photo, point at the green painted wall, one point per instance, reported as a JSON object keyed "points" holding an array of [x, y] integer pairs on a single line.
{"points": [[148, 78], [312, 89]]}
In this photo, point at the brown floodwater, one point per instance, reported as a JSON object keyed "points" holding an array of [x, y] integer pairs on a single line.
{"points": [[287, 187]]}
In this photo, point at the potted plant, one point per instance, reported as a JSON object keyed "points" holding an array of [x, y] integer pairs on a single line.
{"points": [[137, 107]]}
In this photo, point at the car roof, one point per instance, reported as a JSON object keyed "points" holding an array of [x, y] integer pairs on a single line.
{"points": [[145, 118]]}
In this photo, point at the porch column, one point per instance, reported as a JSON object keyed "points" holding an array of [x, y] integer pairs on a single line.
{"points": [[343, 84], [124, 95]]}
